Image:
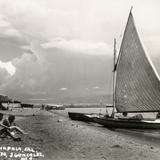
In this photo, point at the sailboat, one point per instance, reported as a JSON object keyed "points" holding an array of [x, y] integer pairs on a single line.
{"points": [[136, 84]]}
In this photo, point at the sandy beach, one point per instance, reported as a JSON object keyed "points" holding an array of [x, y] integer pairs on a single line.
{"points": [[57, 137]]}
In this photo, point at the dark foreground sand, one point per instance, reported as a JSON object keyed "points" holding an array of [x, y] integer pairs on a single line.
{"points": [[59, 138]]}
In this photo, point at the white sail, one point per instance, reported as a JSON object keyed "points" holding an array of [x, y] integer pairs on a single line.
{"points": [[137, 84]]}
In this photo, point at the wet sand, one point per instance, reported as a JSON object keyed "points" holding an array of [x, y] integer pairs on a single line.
{"points": [[60, 138]]}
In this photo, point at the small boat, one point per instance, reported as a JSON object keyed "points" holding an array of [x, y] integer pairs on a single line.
{"points": [[85, 117], [54, 107], [136, 84]]}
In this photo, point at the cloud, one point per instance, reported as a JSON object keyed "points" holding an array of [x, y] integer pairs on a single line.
{"points": [[75, 22], [7, 29], [3, 23], [5, 77], [96, 87], [63, 89], [22, 78], [12, 33], [28, 16], [9, 67], [29, 70], [79, 46]]}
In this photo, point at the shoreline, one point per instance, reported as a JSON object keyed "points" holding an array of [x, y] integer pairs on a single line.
{"points": [[60, 138]]}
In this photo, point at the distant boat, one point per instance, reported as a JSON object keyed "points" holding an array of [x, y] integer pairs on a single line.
{"points": [[136, 84], [27, 105], [54, 107]]}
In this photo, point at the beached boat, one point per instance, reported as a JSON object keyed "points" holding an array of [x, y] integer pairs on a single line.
{"points": [[86, 117], [136, 84]]}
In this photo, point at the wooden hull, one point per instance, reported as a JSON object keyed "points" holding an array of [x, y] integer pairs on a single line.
{"points": [[81, 116], [127, 124]]}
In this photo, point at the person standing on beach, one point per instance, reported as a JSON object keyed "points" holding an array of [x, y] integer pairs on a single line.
{"points": [[106, 114]]}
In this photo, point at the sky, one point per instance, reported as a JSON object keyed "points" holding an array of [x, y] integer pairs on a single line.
{"points": [[33, 33]]}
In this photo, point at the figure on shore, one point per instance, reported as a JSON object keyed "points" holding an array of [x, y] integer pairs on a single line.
{"points": [[158, 115], [121, 115], [9, 128], [125, 114], [106, 114], [43, 107]]}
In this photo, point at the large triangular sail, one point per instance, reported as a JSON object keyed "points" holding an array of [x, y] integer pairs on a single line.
{"points": [[137, 84]]}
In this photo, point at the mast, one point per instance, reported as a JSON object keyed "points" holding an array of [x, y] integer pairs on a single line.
{"points": [[114, 72]]}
